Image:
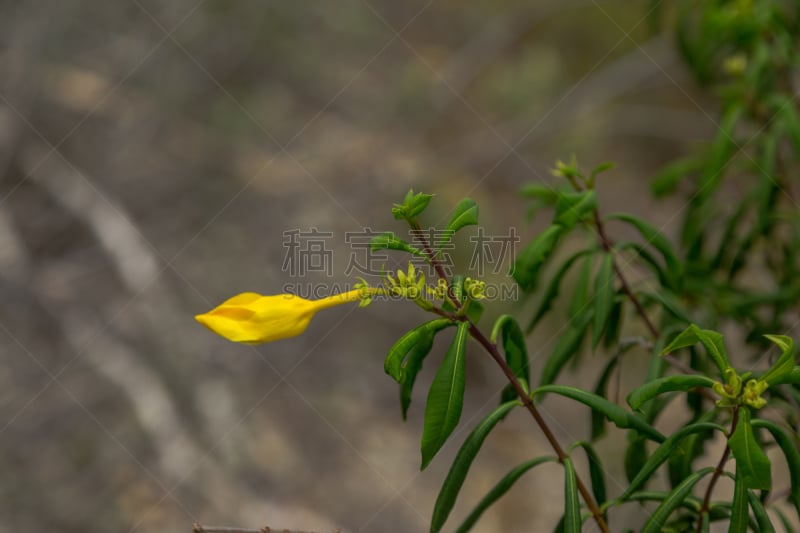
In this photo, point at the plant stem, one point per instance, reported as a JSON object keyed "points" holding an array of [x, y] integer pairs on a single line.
{"points": [[491, 348], [478, 335], [717, 472], [608, 246]]}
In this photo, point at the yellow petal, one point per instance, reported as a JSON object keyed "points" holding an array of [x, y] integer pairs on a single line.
{"points": [[253, 319], [242, 299]]}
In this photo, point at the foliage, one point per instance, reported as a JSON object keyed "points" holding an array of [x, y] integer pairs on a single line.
{"points": [[747, 51]]}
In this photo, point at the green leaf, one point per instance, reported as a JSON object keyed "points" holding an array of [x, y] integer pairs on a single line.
{"points": [[500, 489], [740, 516], [751, 461], [413, 205], [465, 214], [711, 340], [670, 303], [546, 194], [598, 420], [572, 508], [762, 518], [574, 207], [635, 455], [596, 471], [421, 336], [792, 377], [603, 298], [616, 414], [690, 448], [460, 468], [580, 292], [663, 452], [785, 363], [389, 240], [786, 442], [667, 179], [614, 324], [513, 342], [722, 150], [555, 284], [446, 397], [650, 390], [530, 261], [567, 347], [655, 238], [659, 517], [787, 525], [602, 167]]}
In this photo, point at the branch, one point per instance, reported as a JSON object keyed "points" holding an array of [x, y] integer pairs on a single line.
{"points": [[491, 348], [608, 246], [717, 472]]}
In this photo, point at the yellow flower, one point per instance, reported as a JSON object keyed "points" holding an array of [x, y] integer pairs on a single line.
{"points": [[253, 319]]}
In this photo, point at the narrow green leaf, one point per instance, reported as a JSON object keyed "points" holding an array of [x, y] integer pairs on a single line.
{"points": [[785, 363], [668, 178], [663, 452], [572, 508], [596, 471], [670, 303], [711, 340], [740, 516], [555, 284], [786, 442], [413, 205], [602, 167], [420, 336], [635, 455], [579, 300], [787, 525], [446, 397], [603, 298], [790, 120], [500, 489], [655, 238], [567, 347], [575, 207], [465, 214], [762, 518], [616, 414], [598, 420], [546, 194], [647, 258], [722, 149], [680, 462], [650, 390], [751, 461], [513, 341], [659, 517], [389, 240], [460, 467], [614, 324], [530, 261], [793, 377]]}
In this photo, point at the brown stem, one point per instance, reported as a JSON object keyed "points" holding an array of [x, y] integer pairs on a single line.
{"points": [[528, 403], [608, 247], [491, 348], [717, 472]]}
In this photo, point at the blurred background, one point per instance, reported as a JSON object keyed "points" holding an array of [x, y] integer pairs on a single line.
{"points": [[153, 156]]}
